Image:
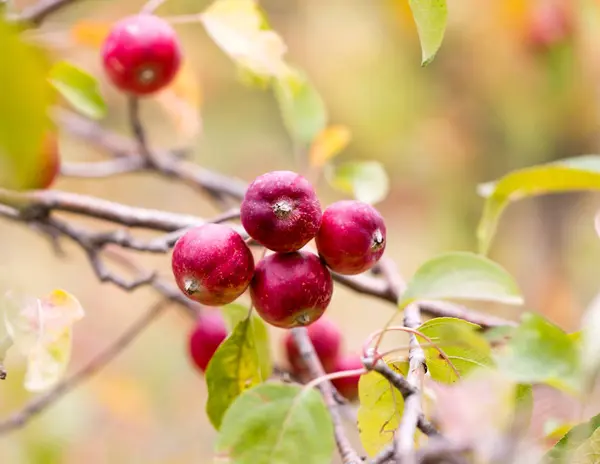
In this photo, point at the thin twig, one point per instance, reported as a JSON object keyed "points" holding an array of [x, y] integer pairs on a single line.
{"points": [[38, 12], [101, 169], [38, 405], [404, 438], [25, 206], [315, 370]]}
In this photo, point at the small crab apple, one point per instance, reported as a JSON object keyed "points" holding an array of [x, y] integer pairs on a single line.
{"points": [[206, 336], [291, 289], [325, 336], [281, 211], [352, 237], [347, 386], [141, 54], [212, 264]]}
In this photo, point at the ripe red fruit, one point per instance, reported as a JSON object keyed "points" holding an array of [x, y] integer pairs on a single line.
{"points": [[352, 237], [291, 289], [212, 264], [347, 386], [550, 25], [141, 54], [205, 338], [281, 211], [325, 337]]}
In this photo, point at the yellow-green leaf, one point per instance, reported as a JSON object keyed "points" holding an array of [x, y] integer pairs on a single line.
{"points": [[25, 96], [328, 144], [302, 108], [236, 366], [461, 275], [539, 351], [380, 411], [79, 88], [276, 424], [579, 173], [430, 17], [365, 180], [461, 344], [575, 438], [240, 29], [235, 313]]}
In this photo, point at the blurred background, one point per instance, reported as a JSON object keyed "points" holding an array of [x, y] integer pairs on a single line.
{"points": [[515, 83]]}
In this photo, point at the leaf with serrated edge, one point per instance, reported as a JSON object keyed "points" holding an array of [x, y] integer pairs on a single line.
{"points": [[574, 174], [79, 88], [460, 342], [367, 181], [461, 275], [380, 411], [235, 367], [276, 424], [430, 17], [539, 351]]}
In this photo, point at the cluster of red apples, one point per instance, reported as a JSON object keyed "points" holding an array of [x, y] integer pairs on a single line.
{"points": [[213, 264], [290, 287]]}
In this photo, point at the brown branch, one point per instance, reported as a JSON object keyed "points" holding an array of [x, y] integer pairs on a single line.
{"points": [[315, 370], [38, 12], [166, 163], [38, 204], [38, 405], [100, 169], [404, 437]]}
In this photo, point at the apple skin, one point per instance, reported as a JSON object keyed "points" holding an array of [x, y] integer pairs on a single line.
{"points": [[326, 338], [212, 264], [141, 54], [207, 335], [281, 211], [347, 386], [291, 289], [352, 237]]}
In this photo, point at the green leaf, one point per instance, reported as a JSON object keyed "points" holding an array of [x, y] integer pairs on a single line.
{"points": [[366, 180], [574, 439], [302, 108], [240, 29], [430, 17], [460, 342], [589, 451], [580, 173], [380, 411], [79, 88], [461, 275], [25, 96], [238, 364], [276, 424], [539, 351], [235, 313]]}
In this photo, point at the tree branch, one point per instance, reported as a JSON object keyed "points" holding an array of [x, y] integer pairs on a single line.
{"points": [[315, 370], [36, 205], [38, 12], [38, 405]]}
